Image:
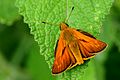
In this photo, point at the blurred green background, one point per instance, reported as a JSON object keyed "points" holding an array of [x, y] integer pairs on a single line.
{"points": [[20, 58]]}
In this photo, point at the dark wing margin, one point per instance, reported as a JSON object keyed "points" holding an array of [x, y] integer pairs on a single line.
{"points": [[56, 48], [86, 33]]}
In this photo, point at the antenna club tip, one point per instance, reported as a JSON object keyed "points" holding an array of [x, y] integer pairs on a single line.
{"points": [[72, 7], [43, 22]]}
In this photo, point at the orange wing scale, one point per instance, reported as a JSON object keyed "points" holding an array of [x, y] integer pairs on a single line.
{"points": [[63, 58], [89, 45], [71, 53]]}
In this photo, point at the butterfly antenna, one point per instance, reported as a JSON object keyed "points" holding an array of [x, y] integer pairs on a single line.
{"points": [[49, 23], [69, 14]]}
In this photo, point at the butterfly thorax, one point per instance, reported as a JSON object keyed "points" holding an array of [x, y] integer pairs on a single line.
{"points": [[68, 35], [67, 32]]}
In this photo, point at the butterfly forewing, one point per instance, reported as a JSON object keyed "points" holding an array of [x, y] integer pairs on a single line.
{"points": [[89, 44], [62, 57], [61, 63]]}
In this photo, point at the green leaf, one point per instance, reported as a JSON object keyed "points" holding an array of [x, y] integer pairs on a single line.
{"points": [[87, 15], [8, 12]]}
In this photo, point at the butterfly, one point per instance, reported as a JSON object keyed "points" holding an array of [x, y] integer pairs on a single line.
{"points": [[73, 48]]}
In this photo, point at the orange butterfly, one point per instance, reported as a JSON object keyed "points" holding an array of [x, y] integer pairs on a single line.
{"points": [[73, 48]]}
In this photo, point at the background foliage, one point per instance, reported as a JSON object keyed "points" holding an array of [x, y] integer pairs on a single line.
{"points": [[19, 52]]}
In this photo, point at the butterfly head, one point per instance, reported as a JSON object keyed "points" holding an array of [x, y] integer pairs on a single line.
{"points": [[63, 26]]}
